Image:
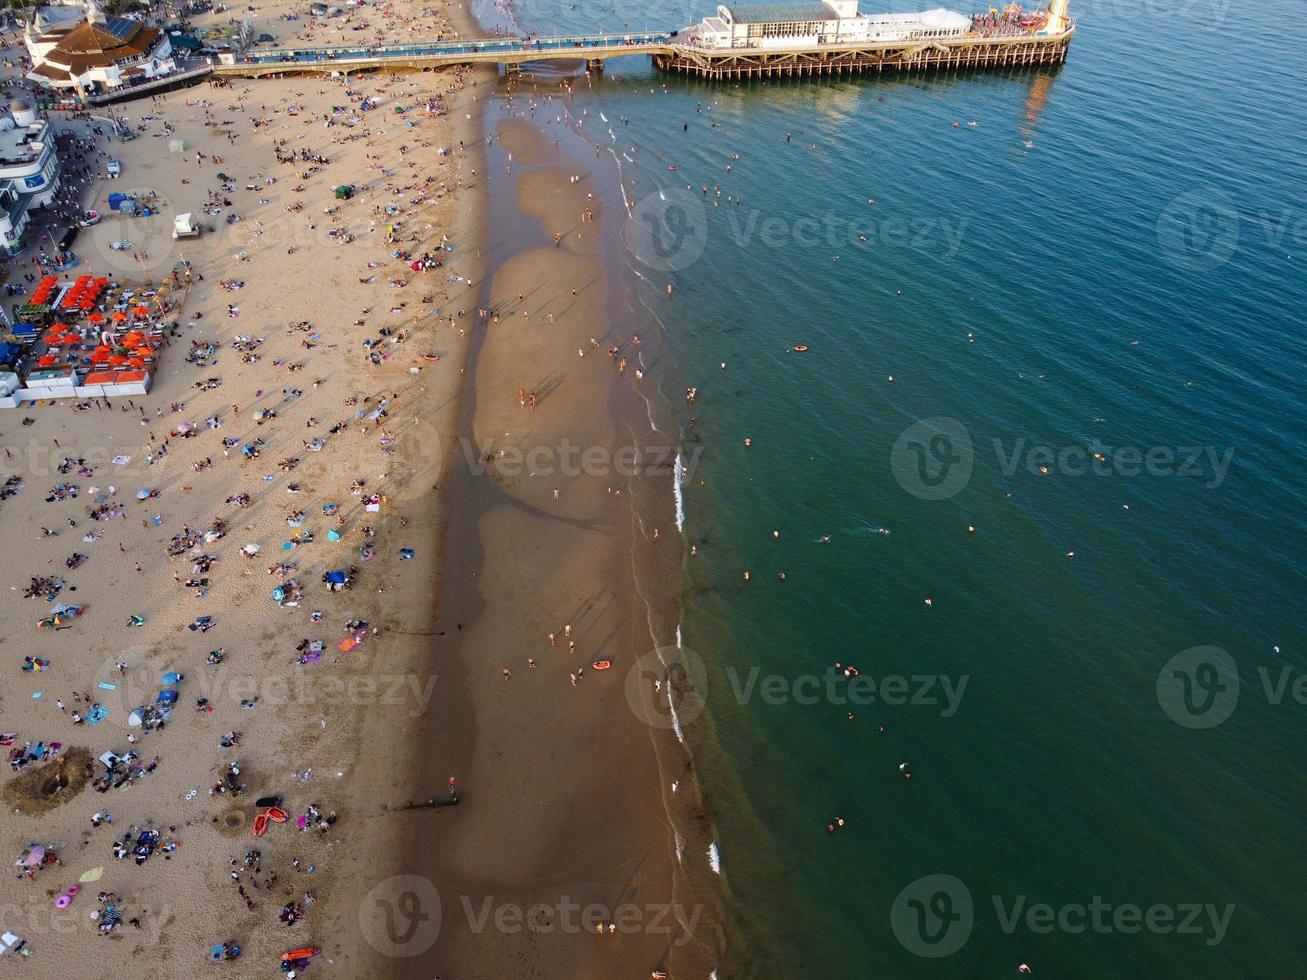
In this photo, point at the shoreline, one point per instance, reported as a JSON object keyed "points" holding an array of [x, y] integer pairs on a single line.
{"points": [[581, 801]]}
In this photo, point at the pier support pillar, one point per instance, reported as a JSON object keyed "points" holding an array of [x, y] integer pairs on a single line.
{"points": [[595, 66], [512, 69]]}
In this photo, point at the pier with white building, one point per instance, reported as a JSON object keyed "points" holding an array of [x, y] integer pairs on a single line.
{"points": [[737, 41]]}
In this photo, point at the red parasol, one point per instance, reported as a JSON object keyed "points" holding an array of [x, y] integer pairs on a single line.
{"points": [[96, 318]]}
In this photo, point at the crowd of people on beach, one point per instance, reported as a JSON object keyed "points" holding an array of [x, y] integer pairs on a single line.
{"points": [[235, 391]]}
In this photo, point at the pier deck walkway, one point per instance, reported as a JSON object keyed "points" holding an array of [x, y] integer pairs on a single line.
{"points": [[670, 52]]}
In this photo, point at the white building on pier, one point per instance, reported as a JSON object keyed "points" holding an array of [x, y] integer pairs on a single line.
{"points": [[813, 24]]}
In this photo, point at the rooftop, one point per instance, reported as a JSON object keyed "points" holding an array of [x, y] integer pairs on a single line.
{"points": [[22, 145], [771, 13]]}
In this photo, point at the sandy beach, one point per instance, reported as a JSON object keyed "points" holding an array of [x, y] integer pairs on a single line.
{"points": [[310, 372]]}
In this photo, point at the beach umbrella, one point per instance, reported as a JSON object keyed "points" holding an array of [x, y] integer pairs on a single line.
{"points": [[96, 318], [118, 316], [141, 310], [35, 855], [117, 359], [99, 357], [135, 362], [59, 327], [47, 361]]}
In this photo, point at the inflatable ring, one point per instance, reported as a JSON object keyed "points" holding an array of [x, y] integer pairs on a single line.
{"points": [[63, 901]]}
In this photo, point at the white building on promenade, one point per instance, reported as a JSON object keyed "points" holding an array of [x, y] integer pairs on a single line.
{"points": [[29, 171]]}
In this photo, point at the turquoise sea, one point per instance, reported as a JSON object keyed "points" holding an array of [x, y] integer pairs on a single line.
{"points": [[1089, 294]]}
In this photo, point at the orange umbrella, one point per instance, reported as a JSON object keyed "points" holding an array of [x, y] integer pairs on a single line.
{"points": [[141, 310], [135, 362], [96, 318], [99, 357], [119, 316], [47, 361], [116, 359]]}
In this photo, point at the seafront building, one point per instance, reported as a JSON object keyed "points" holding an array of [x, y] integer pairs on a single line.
{"points": [[829, 22], [29, 171], [834, 22], [97, 54]]}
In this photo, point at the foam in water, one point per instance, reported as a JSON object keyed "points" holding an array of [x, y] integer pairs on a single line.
{"points": [[714, 858], [678, 478], [676, 721]]}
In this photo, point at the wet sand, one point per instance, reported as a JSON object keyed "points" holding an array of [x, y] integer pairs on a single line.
{"points": [[562, 809]]}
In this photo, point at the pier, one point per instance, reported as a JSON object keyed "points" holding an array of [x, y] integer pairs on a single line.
{"points": [[740, 42]]}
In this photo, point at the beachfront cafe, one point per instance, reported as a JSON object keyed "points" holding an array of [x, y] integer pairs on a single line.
{"points": [[87, 338]]}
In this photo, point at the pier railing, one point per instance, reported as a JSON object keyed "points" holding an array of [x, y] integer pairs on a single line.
{"points": [[674, 51]]}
